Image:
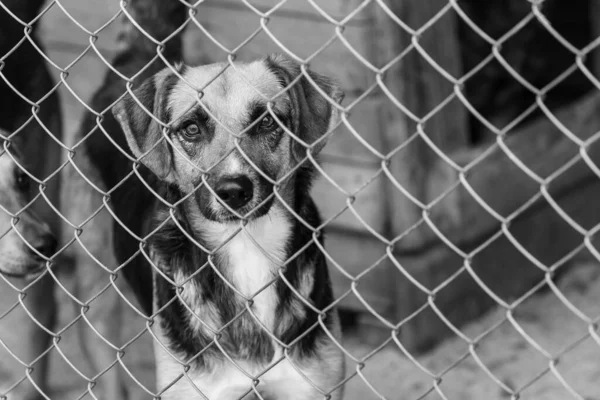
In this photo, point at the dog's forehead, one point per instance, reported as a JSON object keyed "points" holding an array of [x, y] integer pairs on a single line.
{"points": [[227, 91]]}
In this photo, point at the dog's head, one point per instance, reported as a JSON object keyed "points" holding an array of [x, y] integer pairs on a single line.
{"points": [[18, 258], [231, 142]]}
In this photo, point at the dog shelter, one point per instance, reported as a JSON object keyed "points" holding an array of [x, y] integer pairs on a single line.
{"points": [[463, 175]]}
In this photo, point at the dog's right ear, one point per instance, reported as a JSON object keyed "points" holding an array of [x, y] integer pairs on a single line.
{"points": [[143, 133], [315, 116]]}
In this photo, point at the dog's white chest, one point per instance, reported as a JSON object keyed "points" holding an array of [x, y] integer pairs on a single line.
{"points": [[251, 259]]}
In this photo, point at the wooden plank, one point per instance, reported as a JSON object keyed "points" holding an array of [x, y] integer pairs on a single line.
{"points": [[503, 185], [421, 89], [337, 9], [93, 13], [301, 37], [501, 267]]}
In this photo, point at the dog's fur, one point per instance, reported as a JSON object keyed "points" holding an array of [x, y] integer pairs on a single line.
{"points": [[28, 74]]}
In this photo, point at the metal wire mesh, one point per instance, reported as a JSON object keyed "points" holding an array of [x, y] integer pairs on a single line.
{"points": [[92, 213]]}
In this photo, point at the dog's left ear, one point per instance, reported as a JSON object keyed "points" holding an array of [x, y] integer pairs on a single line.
{"points": [[143, 133], [313, 114]]}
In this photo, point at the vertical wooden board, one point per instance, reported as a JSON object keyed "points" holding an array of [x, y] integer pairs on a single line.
{"points": [[364, 125], [79, 82], [420, 88], [368, 200], [355, 254], [434, 73], [60, 27], [419, 170], [438, 191], [351, 164]]}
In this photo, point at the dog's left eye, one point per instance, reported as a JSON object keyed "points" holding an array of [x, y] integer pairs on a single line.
{"points": [[190, 131], [23, 181], [268, 123]]}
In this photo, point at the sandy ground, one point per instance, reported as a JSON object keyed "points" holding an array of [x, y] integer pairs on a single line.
{"points": [[509, 360]]}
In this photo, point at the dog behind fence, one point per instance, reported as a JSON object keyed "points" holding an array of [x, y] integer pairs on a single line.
{"points": [[454, 177]]}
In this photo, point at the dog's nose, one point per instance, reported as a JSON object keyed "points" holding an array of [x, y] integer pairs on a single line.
{"points": [[46, 245], [236, 192]]}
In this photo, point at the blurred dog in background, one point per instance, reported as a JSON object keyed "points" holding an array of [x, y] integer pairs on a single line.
{"points": [[26, 70], [24, 250]]}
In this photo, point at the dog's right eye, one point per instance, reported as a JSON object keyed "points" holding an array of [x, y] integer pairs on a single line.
{"points": [[190, 131]]}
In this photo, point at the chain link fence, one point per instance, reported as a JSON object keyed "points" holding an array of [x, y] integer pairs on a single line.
{"points": [[456, 142]]}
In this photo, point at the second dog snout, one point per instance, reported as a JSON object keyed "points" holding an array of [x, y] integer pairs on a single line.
{"points": [[46, 245], [236, 192]]}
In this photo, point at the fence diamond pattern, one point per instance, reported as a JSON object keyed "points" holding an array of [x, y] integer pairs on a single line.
{"points": [[355, 365]]}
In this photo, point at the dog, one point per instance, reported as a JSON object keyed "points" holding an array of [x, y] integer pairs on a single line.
{"points": [[26, 244], [232, 275]]}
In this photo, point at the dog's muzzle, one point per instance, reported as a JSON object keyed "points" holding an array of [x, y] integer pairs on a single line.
{"points": [[236, 191], [230, 196]]}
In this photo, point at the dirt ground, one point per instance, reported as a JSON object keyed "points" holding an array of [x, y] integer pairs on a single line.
{"points": [[508, 353], [507, 356]]}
